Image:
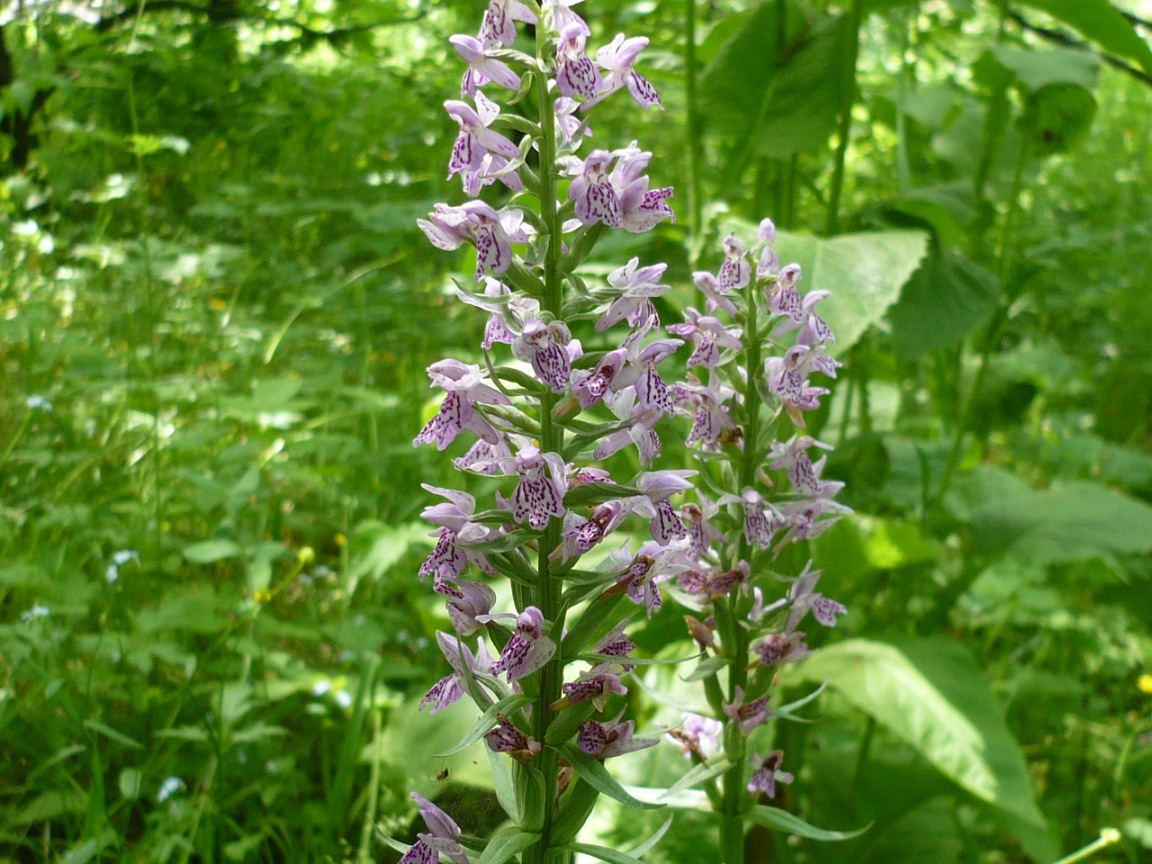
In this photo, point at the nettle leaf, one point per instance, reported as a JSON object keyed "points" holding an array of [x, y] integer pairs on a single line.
{"points": [[1101, 22], [1072, 522], [782, 820], [931, 694], [864, 272]]}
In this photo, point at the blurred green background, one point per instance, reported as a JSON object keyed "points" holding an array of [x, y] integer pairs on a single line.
{"points": [[215, 317]]}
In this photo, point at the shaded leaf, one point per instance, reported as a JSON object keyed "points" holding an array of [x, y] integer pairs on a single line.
{"points": [[782, 820], [945, 300], [1073, 522], [930, 694]]}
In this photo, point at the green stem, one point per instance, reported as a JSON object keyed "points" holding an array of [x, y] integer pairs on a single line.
{"points": [[695, 145], [855, 16], [551, 441], [728, 614], [1108, 837]]}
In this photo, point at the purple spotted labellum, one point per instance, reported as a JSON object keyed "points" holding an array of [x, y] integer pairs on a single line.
{"points": [[642, 208], [708, 334], [480, 154], [490, 231], [596, 685], [792, 456], [465, 388], [507, 738], [540, 495], [576, 75], [498, 24], [593, 194], [776, 649], [636, 286], [545, 346]]}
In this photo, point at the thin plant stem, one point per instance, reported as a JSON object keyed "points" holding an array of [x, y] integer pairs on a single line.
{"points": [[695, 144], [855, 16]]}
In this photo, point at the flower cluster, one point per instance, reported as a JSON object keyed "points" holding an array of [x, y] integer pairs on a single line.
{"points": [[545, 409], [760, 493], [556, 396]]}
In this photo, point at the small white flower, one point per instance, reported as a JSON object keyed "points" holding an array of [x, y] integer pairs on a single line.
{"points": [[343, 698], [35, 612], [168, 788], [38, 402]]}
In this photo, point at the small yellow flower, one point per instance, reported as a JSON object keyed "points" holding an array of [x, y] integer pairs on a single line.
{"points": [[1144, 683], [262, 596], [341, 540]]}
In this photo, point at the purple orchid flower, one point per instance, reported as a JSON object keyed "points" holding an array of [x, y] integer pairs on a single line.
{"points": [[708, 335], [769, 263], [605, 740], [793, 457], [747, 715], [593, 193], [767, 773], [498, 25], [596, 685], [465, 388], [491, 232], [803, 597], [776, 649], [698, 736], [576, 75], [549, 348], [642, 208], [616, 59], [443, 835], [528, 649], [482, 67], [450, 688], [507, 738], [480, 155], [636, 286]]}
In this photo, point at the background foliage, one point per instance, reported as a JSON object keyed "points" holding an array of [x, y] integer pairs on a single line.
{"points": [[214, 322]]}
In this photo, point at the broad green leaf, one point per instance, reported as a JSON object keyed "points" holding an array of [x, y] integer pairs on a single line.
{"points": [[782, 820], [506, 843], [1101, 22], [209, 551], [930, 693], [864, 273], [1072, 522], [945, 300]]}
